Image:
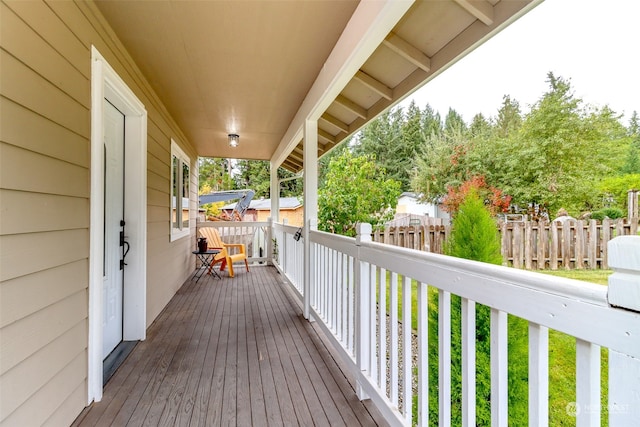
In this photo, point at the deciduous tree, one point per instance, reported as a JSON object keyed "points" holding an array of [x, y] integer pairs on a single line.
{"points": [[356, 190]]}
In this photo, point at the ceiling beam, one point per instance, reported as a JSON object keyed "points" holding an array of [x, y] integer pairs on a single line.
{"points": [[370, 23], [295, 155], [481, 9], [351, 106], [326, 136], [291, 166], [334, 121], [407, 51], [375, 85]]}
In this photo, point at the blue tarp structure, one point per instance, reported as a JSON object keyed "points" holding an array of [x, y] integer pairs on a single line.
{"points": [[245, 197]]}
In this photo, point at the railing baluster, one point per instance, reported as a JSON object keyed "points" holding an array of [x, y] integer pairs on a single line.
{"points": [[587, 384], [343, 296], [423, 355], [325, 292], [331, 288], [444, 358], [499, 367], [538, 375], [352, 306], [356, 319], [373, 331], [407, 401], [382, 316], [336, 292], [393, 359], [338, 297], [468, 362], [314, 293]]}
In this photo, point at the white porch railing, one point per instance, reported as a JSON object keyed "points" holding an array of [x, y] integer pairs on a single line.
{"points": [[353, 278], [256, 236], [288, 255]]}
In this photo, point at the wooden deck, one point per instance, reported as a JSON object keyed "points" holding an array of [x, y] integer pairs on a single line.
{"points": [[231, 352]]}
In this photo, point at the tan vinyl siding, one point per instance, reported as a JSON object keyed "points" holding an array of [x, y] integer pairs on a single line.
{"points": [[45, 127], [39, 290]]}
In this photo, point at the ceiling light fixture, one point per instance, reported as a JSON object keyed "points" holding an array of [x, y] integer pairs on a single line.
{"points": [[234, 139]]}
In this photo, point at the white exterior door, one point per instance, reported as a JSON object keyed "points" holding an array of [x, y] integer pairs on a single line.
{"points": [[113, 226]]}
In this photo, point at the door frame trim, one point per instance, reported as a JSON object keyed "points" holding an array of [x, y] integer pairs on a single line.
{"points": [[105, 82]]}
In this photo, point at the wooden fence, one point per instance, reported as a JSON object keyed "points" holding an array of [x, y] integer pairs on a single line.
{"points": [[575, 244]]}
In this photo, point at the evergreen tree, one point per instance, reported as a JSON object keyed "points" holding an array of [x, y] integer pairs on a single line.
{"points": [[384, 138], [413, 138], [431, 123], [214, 175], [480, 127], [634, 124], [509, 117], [256, 175], [474, 236], [454, 123]]}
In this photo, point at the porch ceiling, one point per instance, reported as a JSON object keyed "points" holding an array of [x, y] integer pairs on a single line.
{"points": [[246, 67]]}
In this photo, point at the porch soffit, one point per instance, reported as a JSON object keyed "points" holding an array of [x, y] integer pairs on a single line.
{"points": [[246, 67]]}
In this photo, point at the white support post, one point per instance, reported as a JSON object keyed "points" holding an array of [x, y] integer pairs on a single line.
{"points": [[283, 249], [624, 292], [310, 155], [362, 306], [624, 283], [269, 236], [274, 192]]}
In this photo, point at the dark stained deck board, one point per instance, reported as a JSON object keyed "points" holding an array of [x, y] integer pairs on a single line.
{"points": [[203, 388], [235, 351], [256, 394], [188, 403], [287, 318], [271, 360], [323, 380], [119, 396]]}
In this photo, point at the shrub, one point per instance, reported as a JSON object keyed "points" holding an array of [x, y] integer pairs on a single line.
{"points": [[474, 236], [611, 213]]}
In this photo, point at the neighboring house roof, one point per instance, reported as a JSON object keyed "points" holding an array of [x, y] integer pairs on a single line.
{"points": [[409, 194], [286, 203]]}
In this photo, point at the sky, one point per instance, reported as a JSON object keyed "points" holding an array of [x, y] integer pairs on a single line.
{"points": [[594, 43]]}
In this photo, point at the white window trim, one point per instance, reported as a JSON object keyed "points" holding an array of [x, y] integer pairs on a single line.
{"points": [[176, 234]]}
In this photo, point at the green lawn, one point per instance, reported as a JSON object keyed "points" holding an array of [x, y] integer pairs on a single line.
{"points": [[562, 360], [596, 276], [562, 350]]}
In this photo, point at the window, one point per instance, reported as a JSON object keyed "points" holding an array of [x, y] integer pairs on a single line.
{"points": [[180, 174]]}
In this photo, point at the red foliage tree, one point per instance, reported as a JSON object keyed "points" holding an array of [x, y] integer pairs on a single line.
{"points": [[493, 197]]}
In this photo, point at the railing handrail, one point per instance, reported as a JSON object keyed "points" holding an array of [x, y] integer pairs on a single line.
{"points": [[364, 321], [570, 306], [232, 224]]}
